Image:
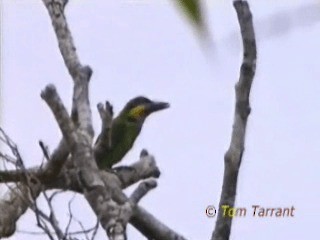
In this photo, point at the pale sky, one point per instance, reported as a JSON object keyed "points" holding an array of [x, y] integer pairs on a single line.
{"points": [[147, 48]]}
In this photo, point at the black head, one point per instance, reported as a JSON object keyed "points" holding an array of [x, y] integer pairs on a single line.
{"points": [[139, 108]]}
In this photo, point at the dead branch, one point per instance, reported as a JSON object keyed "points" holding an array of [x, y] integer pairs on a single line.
{"points": [[45, 150], [65, 41], [106, 198], [143, 188], [103, 190], [50, 95], [103, 141], [145, 168], [16, 201], [234, 154], [43, 219], [151, 227]]}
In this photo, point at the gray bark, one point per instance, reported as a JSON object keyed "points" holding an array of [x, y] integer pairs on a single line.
{"points": [[233, 156]]}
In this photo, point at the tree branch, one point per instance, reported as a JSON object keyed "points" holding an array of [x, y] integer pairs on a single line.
{"points": [[142, 190], [234, 154], [127, 175], [102, 190], [151, 227], [79, 73], [66, 44], [43, 218], [50, 95], [103, 141], [145, 168], [101, 195], [145, 222], [15, 203], [68, 180]]}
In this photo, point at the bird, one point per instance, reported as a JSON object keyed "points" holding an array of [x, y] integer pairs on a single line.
{"points": [[125, 129]]}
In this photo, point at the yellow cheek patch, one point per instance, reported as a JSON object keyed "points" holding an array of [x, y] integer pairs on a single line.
{"points": [[137, 112]]}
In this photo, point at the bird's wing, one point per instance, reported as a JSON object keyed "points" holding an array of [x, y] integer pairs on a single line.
{"points": [[105, 151], [117, 132]]}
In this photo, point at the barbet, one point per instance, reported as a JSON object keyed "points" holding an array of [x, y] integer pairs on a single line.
{"points": [[125, 129]]}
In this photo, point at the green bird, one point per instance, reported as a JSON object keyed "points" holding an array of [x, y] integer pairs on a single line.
{"points": [[125, 129]]}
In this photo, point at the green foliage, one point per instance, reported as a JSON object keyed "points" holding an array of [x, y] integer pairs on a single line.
{"points": [[193, 11]]}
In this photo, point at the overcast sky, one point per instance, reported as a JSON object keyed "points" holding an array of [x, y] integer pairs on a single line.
{"points": [[139, 47]]}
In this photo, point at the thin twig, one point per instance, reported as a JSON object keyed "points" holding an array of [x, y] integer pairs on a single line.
{"points": [[53, 220], [96, 227], [83, 229], [66, 232], [45, 150]]}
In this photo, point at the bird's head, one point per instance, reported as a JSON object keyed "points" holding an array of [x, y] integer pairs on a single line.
{"points": [[139, 108]]}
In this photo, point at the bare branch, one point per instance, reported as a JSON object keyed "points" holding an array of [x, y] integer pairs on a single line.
{"points": [[83, 229], [45, 150], [26, 175], [12, 176], [57, 160], [234, 154], [146, 167], [20, 197], [151, 227], [96, 227], [53, 220], [66, 45], [102, 190], [12, 206], [80, 232], [142, 220], [8, 159], [80, 74], [50, 95], [15, 203], [69, 180], [41, 218], [103, 141], [66, 231], [142, 190], [81, 102], [4, 137]]}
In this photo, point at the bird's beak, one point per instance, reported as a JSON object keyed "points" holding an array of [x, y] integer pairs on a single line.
{"points": [[156, 106]]}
